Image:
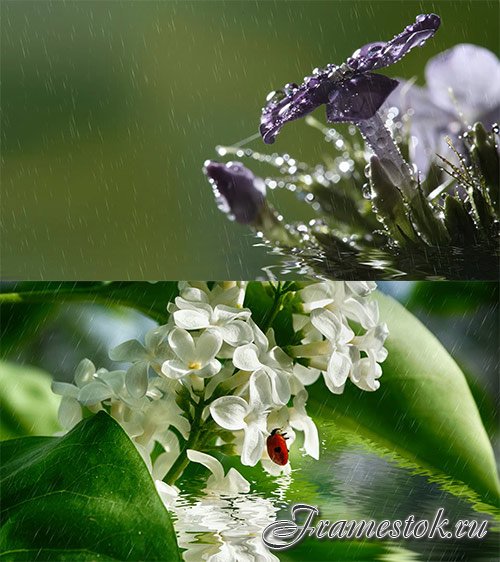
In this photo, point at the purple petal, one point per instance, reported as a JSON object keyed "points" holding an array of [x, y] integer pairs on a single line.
{"points": [[359, 98], [379, 55], [293, 103], [237, 190], [465, 80]]}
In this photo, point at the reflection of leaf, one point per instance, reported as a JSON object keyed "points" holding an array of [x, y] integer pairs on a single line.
{"points": [[423, 410], [27, 404], [84, 496]]}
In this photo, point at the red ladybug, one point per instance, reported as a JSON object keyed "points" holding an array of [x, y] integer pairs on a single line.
{"points": [[276, 447]]}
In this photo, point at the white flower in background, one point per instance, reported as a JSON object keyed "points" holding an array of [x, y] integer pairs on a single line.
{"points": [[235, 413], [193, 355], [211, 377], [347, 300], [232, 483], [229, 322], [152, 354], [228, 293], [265, 356]]}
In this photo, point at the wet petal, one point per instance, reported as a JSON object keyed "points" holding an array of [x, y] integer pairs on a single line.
{"points": [[359, 98], [380, 54], [207, 346], [306, 98]]}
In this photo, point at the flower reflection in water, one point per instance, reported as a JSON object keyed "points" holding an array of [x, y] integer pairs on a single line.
{"points": [[221, 527]]}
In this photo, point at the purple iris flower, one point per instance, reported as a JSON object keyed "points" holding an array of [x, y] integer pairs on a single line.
{"points": [[350, 92], [237, 190], [463, 87]]}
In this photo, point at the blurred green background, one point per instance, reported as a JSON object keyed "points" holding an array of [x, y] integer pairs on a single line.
{"points": [[109, 110]]}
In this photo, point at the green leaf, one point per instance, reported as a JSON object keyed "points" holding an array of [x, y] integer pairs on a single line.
{"points": [[454, 298], [424, 410], [85, 496], [149, 298], [27, 404]]}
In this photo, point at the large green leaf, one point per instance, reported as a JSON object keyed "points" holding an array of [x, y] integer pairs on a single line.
{"points": [[149, 298], [423, 410], [85, 496], [27, 404]]}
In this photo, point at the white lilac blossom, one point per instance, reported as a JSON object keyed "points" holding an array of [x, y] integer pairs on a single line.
{"points": [[463, 87], [214, 378]]}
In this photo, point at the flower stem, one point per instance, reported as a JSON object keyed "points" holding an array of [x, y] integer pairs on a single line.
{"points": [[379, 138], [182, 461]]}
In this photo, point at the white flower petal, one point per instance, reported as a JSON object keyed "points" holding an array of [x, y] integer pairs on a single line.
{"points": [[174, 369], [210, 369], [207, 346], [129, 351], [280, 386], [236, 333], [70, 412], [136, 380], [253, 445], [65, 389], [246, 358], [327, 323], [84, 372], [260, 390], [182, 344], [93, 393], [229, 412], [338, 369], [210, 462], [189, 319], [234, 483]]}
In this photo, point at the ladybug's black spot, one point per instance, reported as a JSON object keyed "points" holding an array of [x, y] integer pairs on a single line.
{"points": [[277, 449]]}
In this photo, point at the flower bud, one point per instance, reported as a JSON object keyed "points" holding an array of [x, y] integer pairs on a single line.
{"points": [[458, 222], [485, 153], [237, 190], [389, 204]]}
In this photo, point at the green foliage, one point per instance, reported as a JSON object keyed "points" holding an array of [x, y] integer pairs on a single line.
{"points": [[423, 410], [85, 496], [27, 404]]}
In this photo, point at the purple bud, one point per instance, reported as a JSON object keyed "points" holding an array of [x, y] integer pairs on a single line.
{"points": [[237, 190]]}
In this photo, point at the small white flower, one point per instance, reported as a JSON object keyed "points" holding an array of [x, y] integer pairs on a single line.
{"points": [[235, 413], [264, 355], [152, 354], [231, 483], [228, 321], [193, 356]]}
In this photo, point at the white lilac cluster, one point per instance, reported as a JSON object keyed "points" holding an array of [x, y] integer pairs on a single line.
{"points": [[212, 367]]}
